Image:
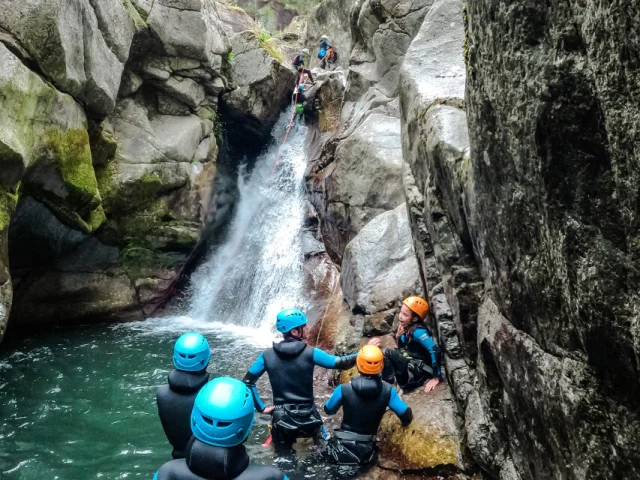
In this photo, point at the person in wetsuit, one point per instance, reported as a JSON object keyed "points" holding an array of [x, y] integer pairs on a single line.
{"points": [[417, 358], [221, 421], [299, 98], [364, 401], [299, 63], [175, 400], [290, 364], [326, 53]]}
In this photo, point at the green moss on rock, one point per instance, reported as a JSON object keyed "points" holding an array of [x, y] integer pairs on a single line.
{"points": [[8, 202], [137, 14]]}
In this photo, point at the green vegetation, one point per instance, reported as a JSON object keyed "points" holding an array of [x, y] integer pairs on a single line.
{"points": [[8, 202], [269, 45], [230, 57], [137, 13]]}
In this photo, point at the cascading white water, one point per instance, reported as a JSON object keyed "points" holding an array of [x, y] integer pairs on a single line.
{"points": [[257, 271]]}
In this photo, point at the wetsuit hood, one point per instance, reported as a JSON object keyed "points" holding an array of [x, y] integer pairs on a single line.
{"points": [[216, 463], [367, 386], [289, 347], [187, 382]]}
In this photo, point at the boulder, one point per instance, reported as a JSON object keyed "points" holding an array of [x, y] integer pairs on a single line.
{"points": [[432, 441], [81, 50], [363, 181], [379, 266], [263, 85], [51, 156], [235, 20], [190, 29]]}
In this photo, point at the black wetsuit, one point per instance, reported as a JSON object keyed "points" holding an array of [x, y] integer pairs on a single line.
{"points": [[364, 402], [206, 462], [290, 366], [416, 359], [175, 402], [298, 63]]}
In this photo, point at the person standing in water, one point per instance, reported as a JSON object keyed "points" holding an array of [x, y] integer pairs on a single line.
{"points": [[364, 401], [175, 400], [290, 364], [221, 421], [417, 358]]}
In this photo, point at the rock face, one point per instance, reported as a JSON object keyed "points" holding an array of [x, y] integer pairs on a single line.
{"points": [[362, 182], [379, 265], [81, 46], [107, 208], [263, 83], [523, 224]]}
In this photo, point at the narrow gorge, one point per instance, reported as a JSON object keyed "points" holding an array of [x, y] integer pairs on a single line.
{"points": [[480, 154]]}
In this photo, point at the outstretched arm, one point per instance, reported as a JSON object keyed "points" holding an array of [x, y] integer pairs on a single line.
{"points": [[255, 372], [401, 409], [335, 402], [323, 359]]}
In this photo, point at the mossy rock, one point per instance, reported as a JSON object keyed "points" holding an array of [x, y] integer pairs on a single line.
{"points": [[8, 202]]}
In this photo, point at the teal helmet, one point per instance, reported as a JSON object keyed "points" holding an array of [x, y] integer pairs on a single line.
{"points": [[289, 319], [191, 353], [223, 413]]}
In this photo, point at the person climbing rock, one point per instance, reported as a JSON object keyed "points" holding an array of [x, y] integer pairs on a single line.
{"points": [[326, 53], [299, 99], [417, 358], [175, 400], [290, 364], [221, 421], [299, 63], [364, 401]]}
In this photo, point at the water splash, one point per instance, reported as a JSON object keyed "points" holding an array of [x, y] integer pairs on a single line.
{"points": [[258, 270]]}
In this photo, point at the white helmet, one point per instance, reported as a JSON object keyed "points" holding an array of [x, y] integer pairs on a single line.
{"points": [[305, 51], [324, 37]]}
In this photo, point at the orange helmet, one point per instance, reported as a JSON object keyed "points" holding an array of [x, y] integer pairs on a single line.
{"points": [[370, 360], [417, 305]]}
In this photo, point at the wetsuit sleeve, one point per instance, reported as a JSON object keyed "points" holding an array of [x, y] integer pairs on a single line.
{"points": [[400, 408], [255, 372], [335, 402], [423, 337], [323, 359]]}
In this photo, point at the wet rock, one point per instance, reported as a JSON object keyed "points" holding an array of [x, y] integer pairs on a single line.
{"points": [[81, 50], [362, 182], [379, 265], [263, 85], [379, 323], [431, 440]]}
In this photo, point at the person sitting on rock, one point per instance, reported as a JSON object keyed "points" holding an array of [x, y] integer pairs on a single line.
{"points": [[326, 53], [221, 421], [175, 400], [299, 99], [299, 63], [364, 401], [290, 364], [417, 358]]}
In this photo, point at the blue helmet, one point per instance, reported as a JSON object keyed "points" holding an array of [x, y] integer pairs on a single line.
{"points": [[191, 353], [301, 87], [155, 477], [223, 413], [289, 319]]}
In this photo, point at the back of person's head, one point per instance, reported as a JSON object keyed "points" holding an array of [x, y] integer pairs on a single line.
{"points": [[191, 353], [223, 413], [370, 360]]}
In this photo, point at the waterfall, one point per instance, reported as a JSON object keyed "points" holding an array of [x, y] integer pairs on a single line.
{"points": [[258, 269]]}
